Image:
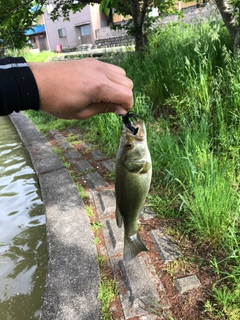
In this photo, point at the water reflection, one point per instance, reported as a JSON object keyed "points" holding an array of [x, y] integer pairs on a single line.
{"points": [[23, 251]]}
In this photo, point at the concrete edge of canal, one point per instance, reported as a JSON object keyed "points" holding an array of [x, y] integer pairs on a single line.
{"points": [[73, 276]]}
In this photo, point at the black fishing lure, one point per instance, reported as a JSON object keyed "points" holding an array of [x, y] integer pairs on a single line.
{"points": [[128, 123]]}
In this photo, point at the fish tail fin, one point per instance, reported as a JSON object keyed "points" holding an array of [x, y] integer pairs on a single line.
{"points": [[133, 245]]}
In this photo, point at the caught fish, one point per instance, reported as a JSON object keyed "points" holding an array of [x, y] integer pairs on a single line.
{"points": [[132, 183]]}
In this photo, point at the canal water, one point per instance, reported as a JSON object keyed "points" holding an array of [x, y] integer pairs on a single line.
{"points": [[23, 248]]}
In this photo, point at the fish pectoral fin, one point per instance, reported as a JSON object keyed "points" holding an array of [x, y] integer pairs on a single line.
{"points": [[119, 218], [133, 245], [146, 167]]}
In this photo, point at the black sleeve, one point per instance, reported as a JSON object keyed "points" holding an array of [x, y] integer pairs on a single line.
{"points": [[18, 88]]}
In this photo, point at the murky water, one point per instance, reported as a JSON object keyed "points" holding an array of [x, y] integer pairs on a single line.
{"points": [[23, 248]]}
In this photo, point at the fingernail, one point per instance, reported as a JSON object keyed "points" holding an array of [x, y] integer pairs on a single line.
{"points": [[120, 111]]}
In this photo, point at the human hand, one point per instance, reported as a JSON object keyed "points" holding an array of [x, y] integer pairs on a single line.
{"points": [[79, 89]]}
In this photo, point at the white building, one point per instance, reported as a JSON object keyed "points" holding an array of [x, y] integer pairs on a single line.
{"points": [[80, 29]]}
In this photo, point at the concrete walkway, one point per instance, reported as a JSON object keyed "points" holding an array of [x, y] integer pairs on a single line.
{"points": [[73, 277]]}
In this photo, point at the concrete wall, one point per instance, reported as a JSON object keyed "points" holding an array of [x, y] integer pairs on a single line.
{"points": [[107, 32], [96, 20]]}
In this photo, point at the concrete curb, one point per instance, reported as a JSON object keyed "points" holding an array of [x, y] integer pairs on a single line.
{"points": [[73, 275]]}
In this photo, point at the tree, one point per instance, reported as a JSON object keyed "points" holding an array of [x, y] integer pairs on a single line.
{"points": [[230, 12], [139, 11], [141, 21], [16, 16]]}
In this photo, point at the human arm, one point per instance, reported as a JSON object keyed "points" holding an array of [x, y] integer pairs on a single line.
{"points": [[76, 89], [79, 89]]}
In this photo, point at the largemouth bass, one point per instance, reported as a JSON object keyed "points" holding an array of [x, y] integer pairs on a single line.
{"points": [[132, 183]]}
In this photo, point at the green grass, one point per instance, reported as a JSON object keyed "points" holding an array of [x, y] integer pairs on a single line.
{"points": [[101, 260], [41, 57], [187, 89], [89, 211], [58, 151], [81, 191], [31, 56], [96, 241], [73, 138], [96, 226], [107, 292], [108, 289], [45, 122]]}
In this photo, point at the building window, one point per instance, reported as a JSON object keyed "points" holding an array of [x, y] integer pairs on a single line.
{"points": [[104, 23], [85, 30], [62, 33]]}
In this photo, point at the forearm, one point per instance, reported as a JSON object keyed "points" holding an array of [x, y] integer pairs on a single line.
{"points": [[76, 89], [18, 89], [79, 89]]}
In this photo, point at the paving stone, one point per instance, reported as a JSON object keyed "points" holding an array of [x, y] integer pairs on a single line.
{"points": [[108, 199], [86, 145], [59, 137], [95, 180], [83, 165], [166, 248], [98, 155], [137, 289], [72, 131], [75, 133], [53, 132], [113, 237], [109, 165], [187, 283], [105, 202], [147, 213], [65, 145], [72, 154], [152, 317]]}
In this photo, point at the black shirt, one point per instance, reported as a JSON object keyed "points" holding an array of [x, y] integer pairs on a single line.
{"points": [[18, 88]]}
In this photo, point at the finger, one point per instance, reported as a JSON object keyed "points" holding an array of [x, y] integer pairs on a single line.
{"points": [[120, 79], [116, 94], [103, 66], [113, 68], [97, 108]]}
